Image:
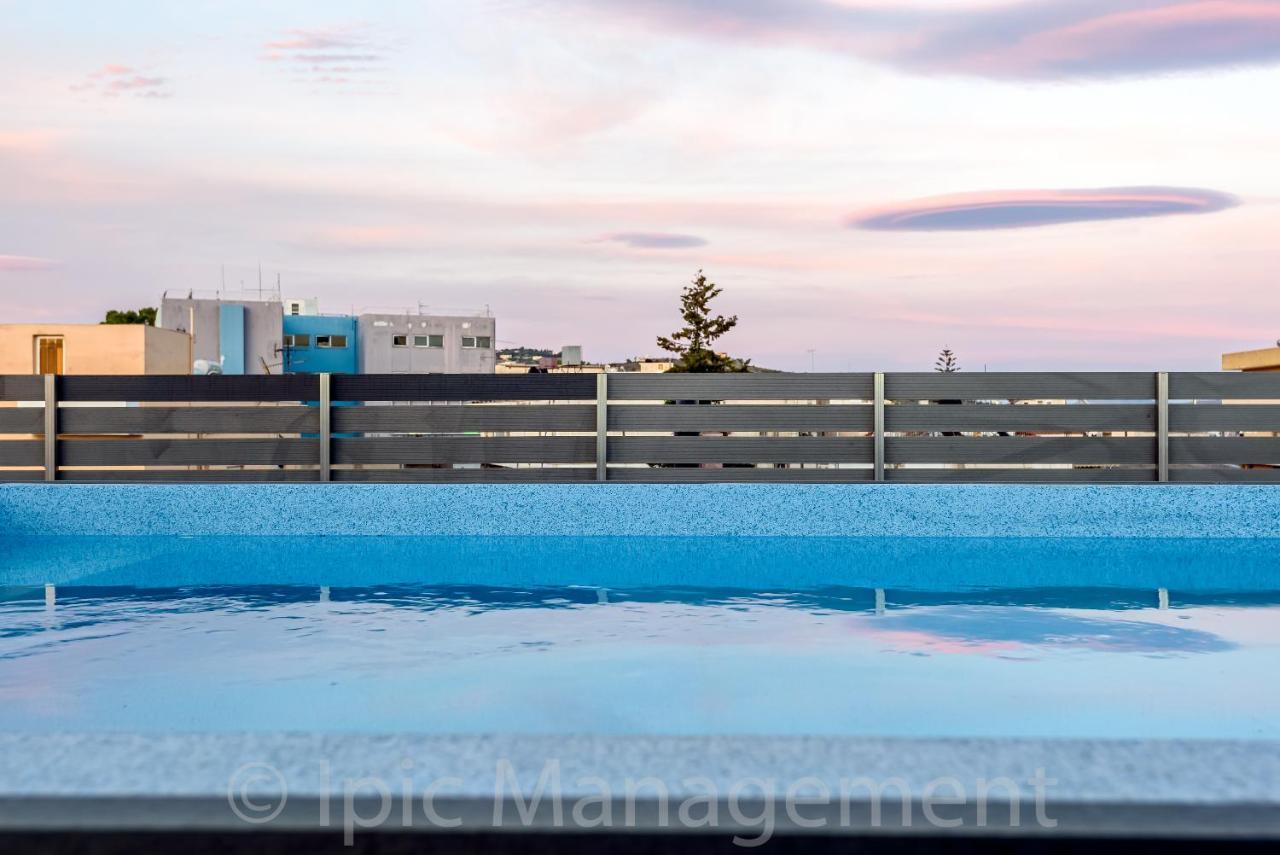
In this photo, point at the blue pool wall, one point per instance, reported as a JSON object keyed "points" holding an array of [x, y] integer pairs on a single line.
{"points": [[772, 510]]}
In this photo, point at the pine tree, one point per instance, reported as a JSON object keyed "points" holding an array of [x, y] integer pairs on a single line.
{"points": [[947, 363], [692, 344]]}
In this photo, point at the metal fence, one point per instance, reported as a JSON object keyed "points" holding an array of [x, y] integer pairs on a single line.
{"points": [[904, 427]]}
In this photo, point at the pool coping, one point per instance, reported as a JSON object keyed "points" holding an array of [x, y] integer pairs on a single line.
{"points": [[1100, 788]]}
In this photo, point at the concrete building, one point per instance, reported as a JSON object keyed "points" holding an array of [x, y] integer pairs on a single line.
{"points": [[227, 336], [319, 344], [93, 349], [1266, 359], [426, 344]]}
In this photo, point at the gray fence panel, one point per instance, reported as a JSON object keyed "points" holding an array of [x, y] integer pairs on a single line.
{"points": [[1238, 450], [855, 418], [1021, 476], [22, 475], [934, 386], [21, 452], [743, 475], [186, 452], [450, 449], [1092, 450], [1190, 418], [1020, 418], [740, 387], [268, 419], [21, 387], [460, 419], [21, 419], [463, 387], [1225, 475], [189, 476], [706, 449], [218, 387], [561, 474], [1225, 385]]}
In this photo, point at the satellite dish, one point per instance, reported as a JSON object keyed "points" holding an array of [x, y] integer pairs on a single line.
{"points": [[205, 366]]}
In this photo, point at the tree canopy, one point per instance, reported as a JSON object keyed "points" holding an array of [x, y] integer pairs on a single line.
{"points": [[145, 315]]}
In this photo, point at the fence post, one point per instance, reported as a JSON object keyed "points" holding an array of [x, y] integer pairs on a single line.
{"points": [[50, 427], [602, 427], [878, 382], [1162, 427], [326, 406]]}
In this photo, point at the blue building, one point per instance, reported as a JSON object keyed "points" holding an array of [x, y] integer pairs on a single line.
{"points": [[316, 344]]}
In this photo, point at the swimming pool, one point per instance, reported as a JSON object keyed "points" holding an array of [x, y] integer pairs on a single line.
{"points": [[1086, 616]]}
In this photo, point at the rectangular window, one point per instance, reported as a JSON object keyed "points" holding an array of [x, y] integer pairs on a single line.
{"points": [[483, 341], [335, 341], [297, 340], [428, 341], [468, 342], [49, 354], [399, 341]]}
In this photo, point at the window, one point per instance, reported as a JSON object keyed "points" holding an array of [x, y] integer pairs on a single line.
{"points": [[484, 341], [468, 341], [331, 341], [296, 340], [295, 309], [428, 341], [49, 354], [399, 341]]}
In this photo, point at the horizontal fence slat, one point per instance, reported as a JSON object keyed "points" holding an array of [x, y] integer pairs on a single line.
{"points": [[1189, 418], [463, 387], [742, 417], [461, 419], [21, 475], [1021, 476], [740, 387], [451, 449], [190, 476], [999, 385], [467, 476], [1224, 475], [182, 387], [1017, 449], [268, 419], [21, 452], [744, 475], [1225, 385], [706, 449], [174, 452], [21, 419], [1020, 418], [21, 387], [1236, 449]]}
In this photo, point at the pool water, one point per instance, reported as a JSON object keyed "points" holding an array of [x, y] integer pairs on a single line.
{"points": [[946, 637]]}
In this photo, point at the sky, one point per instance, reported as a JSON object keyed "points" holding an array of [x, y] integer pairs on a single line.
{"points": [[1065, 184]]}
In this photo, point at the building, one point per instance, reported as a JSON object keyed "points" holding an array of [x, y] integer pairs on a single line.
{"points": [[319, 344], [1266, 359], [93, 349], [227, 336], [426, 344]]}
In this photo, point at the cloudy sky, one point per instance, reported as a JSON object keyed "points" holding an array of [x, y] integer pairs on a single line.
{"points": [[1034, 183]]}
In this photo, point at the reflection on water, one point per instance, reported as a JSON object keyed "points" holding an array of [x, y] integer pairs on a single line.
{"points": [[975, 661]]}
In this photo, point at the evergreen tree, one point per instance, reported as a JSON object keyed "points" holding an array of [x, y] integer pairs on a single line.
{"points": [[692, 344], [947, 363]]}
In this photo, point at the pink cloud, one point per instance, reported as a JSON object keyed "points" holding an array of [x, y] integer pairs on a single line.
{"points": [[24, 264], [326, 57], [1008, 209], [1055, 38], [113, 80]]}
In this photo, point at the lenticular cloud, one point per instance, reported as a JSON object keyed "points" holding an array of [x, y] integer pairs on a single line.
{"points": [[1012, 209]]}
